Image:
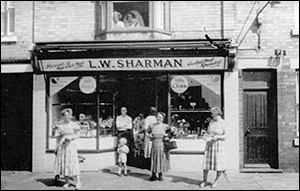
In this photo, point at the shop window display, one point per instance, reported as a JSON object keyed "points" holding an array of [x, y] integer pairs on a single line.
{"points": [[191, 98]]}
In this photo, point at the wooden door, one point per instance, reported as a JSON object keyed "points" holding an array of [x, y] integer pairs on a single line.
{"points": [[260, 118], [256, 126]]}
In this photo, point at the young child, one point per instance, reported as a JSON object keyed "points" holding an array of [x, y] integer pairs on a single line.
{"points": [[122, 155]]}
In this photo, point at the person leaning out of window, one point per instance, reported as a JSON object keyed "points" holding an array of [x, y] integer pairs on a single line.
{"points": [[131, 21], [117, 23]]}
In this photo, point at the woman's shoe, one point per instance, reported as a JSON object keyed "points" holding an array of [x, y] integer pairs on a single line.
{"points": [[202, 185], [152, 178], [214, 185], [160, 177], [66, 185], [78, 186]]}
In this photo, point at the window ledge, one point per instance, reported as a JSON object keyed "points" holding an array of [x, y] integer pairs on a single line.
{"points": [[12, 38], [135, 30], [295, 32], [296, 142]]}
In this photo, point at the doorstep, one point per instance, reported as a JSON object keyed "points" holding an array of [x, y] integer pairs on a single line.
{"points": [[260, 170]]}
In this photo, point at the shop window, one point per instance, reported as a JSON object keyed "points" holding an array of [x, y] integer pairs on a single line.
{"points": [[7, 18], [79, 94], [92, 99], [191, 98]]}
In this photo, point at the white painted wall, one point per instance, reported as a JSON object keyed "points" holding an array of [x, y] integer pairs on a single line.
{"points": [[39, 124], [231, 116]]}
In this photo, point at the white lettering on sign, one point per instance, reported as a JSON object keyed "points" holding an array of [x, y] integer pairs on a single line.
{"points": [[181, 63], [179, 84]]}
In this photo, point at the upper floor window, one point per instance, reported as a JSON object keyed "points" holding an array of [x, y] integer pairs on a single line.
{"points": [[132, 15], [7, 18]]}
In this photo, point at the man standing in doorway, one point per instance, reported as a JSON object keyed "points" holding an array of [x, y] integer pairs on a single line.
{"points": [[124, 127], [124, 124]]}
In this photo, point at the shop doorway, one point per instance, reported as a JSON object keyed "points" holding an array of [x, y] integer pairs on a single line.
{"points": [[138, 93], [260, 121]]}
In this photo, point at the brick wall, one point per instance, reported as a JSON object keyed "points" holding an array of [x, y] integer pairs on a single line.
{"points": [[288, 154], [64, 21], [23, 29]]}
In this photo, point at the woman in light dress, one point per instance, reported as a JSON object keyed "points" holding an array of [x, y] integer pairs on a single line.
{"points": [[159, 157], [214, 156], [66, 160]]}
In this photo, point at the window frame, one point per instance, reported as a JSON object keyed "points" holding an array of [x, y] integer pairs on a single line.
{"points": [[107, 16], [8, 11], [295, 30]]}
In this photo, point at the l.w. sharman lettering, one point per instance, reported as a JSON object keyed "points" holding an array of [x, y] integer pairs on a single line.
{"points": [[132, 64], [137, 63]]}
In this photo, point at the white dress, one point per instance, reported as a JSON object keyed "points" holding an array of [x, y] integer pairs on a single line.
{"points": [[214, 155], [66, 161]]}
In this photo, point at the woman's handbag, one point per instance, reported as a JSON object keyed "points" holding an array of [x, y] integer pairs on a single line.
{"points": [[170, 145]]}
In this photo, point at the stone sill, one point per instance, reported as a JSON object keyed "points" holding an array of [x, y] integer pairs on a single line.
{"points": [[295, 32], [9, 39], [134, 30], [296, 142]]}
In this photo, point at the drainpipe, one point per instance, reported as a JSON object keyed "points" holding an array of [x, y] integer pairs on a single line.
{"points": [[222, 19]]}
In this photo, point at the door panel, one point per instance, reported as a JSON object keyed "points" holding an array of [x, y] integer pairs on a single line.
{"points": [[256, 126]]}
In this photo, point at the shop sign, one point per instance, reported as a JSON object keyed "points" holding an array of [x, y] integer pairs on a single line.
{"points": [[87, 85], [114, 64], [179, 84]]}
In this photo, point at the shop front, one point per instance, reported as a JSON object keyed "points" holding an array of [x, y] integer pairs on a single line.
{"points": [[182, 79]]}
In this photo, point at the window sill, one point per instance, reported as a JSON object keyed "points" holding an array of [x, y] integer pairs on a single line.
{"points": [[296, 142], [135, 30], [12, 38], [140, 33], [295, 32]]}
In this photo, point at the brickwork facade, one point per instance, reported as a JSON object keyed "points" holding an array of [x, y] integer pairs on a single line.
{"points": [[51, 21]]}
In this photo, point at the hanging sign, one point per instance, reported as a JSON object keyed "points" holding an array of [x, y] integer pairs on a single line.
{"points": [[179, 84], [87, 85]]}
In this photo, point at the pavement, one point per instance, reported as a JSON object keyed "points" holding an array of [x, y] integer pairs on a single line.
{"points": [[137, 179]]}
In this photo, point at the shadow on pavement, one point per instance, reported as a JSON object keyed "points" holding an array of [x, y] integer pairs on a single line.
{"points": [[177, 179], [129, 172], [49, 182]]}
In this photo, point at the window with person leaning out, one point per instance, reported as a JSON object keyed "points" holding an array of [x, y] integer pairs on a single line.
{"points": [[131, 19]]}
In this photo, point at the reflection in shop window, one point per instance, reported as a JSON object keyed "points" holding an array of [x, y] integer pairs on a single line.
{"points": [[133, 14], [191, 98]]}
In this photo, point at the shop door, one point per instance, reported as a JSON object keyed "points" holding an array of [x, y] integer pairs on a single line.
{"points": [[260, 127]]}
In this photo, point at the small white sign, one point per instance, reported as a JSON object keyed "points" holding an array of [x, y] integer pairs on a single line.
{"points": [[87, 85], [179, 84]]}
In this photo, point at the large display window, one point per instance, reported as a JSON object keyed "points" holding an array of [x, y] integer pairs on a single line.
{"points": [[191, 98], [96, 102]]}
